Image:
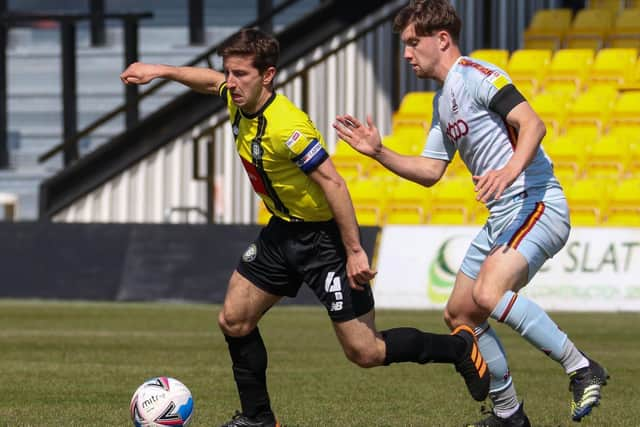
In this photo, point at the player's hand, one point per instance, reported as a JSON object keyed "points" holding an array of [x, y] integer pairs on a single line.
{"points": [[358, 270], [139, 73], [491, 185], [364, 139]]}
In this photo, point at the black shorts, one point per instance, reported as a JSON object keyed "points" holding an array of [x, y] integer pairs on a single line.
{"points": [[288, 254]]}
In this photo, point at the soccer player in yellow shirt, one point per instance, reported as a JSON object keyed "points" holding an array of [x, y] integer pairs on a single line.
{"points": [[312, 236]]}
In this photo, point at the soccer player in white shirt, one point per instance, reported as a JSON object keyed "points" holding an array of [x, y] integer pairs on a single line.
{"points": [[479, 113]]}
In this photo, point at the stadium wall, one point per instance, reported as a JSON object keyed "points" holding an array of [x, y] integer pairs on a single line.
{"points": [[597, 270], [127, 262]]}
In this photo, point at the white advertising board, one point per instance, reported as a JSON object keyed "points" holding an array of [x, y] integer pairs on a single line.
{"points": [[597, 270]]}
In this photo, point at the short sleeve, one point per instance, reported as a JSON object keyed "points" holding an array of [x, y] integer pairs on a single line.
{"points": [[436, 145]]}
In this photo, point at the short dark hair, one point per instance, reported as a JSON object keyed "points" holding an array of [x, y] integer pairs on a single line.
{"points": [[428, 16], [263, 47]]}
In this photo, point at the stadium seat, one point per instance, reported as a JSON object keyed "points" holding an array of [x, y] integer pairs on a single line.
{"points": [[606, 157], [527, 68], [348, 169], [552, 109], [586, 199], [589, 29], [612, 66], [498, 57], [625, 112], [407, 203], [547, 29], [592, 108], [626, 30], [452, 201], [566, 154], [369, 198], [623, 207], [415, 108], [406, 139], [569, 67]]}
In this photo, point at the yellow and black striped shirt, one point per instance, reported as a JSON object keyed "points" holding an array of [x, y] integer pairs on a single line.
{"points": [[279, 146]]}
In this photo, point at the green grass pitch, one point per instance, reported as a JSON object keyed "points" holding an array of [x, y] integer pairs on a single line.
{"points": [[77, 364]]}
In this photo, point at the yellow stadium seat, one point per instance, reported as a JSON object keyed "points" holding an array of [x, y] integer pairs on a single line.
{"points": [[348, 169], [406, 139], [626, 111], [452, 201], [547, 29], [586, 199], [566, 154], [607, 157], [569, 66], [589, 29], [626, 29], [457, 167], [552, 109], [369, 199], [592, 108], [415, 108], [623, 207], [497, 57], [613, 66], [407, 203], [527, 68]]}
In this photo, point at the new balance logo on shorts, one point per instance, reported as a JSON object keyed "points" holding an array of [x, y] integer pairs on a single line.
{"points": [[332, 285]]}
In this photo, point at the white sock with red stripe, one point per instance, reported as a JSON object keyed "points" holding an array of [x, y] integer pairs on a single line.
{"points": [[531, 321]]}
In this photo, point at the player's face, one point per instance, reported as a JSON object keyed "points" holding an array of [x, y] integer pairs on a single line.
{"points": [[422, 52], [248, 88]]}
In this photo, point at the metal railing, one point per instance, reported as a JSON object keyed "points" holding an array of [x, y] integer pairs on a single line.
{"points": [[130, 107]]}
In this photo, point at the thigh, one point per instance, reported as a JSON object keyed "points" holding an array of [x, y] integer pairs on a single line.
{"points": [[244, 305]]}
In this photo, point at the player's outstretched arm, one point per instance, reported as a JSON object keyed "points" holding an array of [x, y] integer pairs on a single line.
{"points": [[366, 140], [200, 79]]}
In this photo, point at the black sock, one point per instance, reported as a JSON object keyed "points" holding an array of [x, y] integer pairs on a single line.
{"points": [[249, 357], [413, 345]]}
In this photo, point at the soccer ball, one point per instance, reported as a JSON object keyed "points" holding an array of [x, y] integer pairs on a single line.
{"points": [[161, 401]]}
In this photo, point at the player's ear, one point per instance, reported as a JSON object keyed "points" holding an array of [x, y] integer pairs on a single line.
{"points": [[269, 74], [444, 39]]}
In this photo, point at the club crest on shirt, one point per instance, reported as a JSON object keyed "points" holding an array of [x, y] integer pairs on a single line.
{"points": [[454, 104], [250, 254]]}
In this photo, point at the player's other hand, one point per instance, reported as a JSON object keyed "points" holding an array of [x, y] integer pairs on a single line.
{"points": [[358, 270], [492, 184], [364, 139], [139, 73]]}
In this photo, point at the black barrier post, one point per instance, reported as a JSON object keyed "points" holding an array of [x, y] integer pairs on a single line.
{"points": [[196, 22], [265, 8], [4, 149], [69, 98], [98, 37], [130, 56]]}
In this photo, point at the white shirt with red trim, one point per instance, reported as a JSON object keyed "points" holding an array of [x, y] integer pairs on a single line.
{"points": [[462, 121]]}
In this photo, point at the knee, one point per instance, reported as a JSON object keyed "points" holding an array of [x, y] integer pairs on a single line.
{"points": [[234, 326], [450, 318], [364, 357], [484, 297]]}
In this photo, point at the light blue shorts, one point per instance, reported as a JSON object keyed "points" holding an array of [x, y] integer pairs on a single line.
{"points": [[536, 228]]}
